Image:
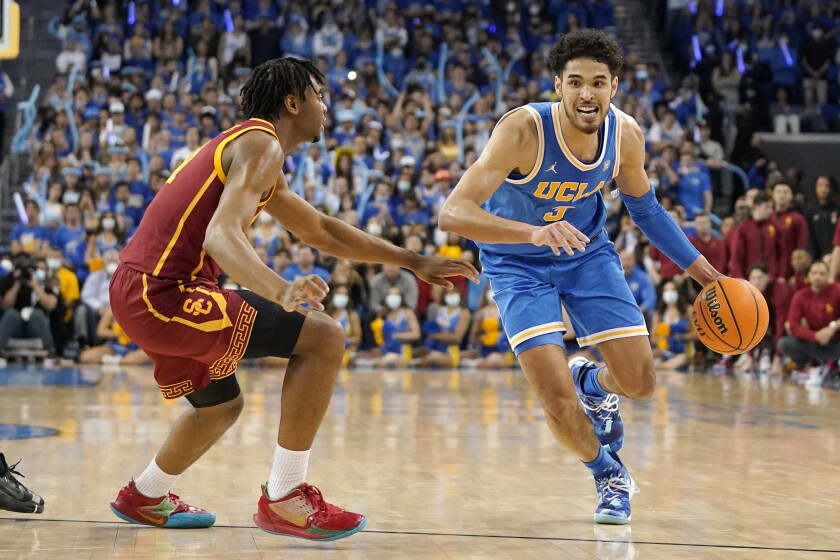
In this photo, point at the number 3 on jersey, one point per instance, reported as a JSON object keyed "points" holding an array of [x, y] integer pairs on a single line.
{"points": [[568, 191]]}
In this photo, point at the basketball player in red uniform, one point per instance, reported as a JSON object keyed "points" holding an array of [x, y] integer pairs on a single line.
{"points": [[166, 298]]}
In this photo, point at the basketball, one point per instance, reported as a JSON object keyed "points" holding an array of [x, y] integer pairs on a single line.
{"points": [[730, 316]]}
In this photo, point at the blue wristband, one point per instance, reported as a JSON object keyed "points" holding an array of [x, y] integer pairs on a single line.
{"points": [[660, 228]]}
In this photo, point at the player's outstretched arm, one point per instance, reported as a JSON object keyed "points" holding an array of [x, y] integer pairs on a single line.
{"points": [[648, 214], [253, 162], [339, 239], [512, 147]]}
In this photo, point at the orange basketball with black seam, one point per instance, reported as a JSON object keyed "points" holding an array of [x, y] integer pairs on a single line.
{"points": [[730, 316]]}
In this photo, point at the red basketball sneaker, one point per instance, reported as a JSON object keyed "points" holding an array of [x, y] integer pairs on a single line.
{"points": [[304, 513], [169, 512]]}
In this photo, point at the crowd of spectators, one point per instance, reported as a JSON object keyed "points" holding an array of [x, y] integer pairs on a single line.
{"points": [[766, 65], [414, 91]]}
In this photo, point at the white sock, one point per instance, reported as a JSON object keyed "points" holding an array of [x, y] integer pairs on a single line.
{"points": [[153, 482], [287, 471]]}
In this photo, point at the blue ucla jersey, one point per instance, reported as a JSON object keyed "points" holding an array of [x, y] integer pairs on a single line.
{"points": [[559, 187]]}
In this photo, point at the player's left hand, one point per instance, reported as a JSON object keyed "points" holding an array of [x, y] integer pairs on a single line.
{"points": [[435, 270]]}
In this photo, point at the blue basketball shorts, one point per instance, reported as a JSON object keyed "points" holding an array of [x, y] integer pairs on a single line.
{"points": [[530, 292]]}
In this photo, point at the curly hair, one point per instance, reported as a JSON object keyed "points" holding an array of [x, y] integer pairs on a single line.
{"points": [[272, 81], [585, 43]]}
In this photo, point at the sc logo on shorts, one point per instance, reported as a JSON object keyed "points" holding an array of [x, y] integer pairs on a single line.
{"points": [[198, 307]]}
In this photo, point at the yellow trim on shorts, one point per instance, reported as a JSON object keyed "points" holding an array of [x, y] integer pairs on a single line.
{"points": [[226, 365], [533, 332], [612, 334]]}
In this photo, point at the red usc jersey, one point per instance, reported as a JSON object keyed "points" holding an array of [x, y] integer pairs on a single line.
{"points": [[170, 239]]}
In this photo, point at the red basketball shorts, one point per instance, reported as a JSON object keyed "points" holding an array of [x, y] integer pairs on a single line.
{"points": [[194, 332]]}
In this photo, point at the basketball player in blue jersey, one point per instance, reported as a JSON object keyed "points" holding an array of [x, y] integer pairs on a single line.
{"points": [[533, 201]]}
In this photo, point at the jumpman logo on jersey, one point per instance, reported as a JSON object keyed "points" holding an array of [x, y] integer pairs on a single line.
{"points": [[552, 168], [607, 165]]}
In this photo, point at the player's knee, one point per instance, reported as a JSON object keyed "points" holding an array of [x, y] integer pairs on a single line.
{"points": [[644, 389], [637, 380], [235, 407], [229, 411], [323, 334], [643, 385], [560, 405]]}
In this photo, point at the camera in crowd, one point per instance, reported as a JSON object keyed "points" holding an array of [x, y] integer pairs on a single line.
{"points": [[25, 268]]}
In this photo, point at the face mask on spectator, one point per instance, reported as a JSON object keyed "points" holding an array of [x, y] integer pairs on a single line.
{"points": [[374, 228], [452, 300], [6, 265], [40, 275], [52, 213], [265, 218], [111, 268], [440, 237], [53, 264], [340, 300], [393, 301], [654, 183], [670, 297], [70, 197], [403, 186], [108, 224]]}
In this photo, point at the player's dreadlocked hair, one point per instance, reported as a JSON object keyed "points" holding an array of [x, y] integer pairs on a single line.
{"points": [[272, 81], [585, 43]]}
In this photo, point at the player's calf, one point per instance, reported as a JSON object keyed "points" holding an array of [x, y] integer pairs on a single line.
{"points": [[600, 405]]}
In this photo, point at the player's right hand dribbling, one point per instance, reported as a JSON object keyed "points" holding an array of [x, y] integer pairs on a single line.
{"points": [[559, 235], [308, 291]]}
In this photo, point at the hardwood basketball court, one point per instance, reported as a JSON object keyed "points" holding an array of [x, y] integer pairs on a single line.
{"points": [[445, 464]]}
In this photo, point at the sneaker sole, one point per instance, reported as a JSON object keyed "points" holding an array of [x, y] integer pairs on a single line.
{"points": [[9, 504], [185, 521], [333, 538], [607, 519]]}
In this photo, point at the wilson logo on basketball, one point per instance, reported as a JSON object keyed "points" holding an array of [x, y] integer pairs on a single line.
{"points": [[713, 306], [700, 330], [730, 316]]}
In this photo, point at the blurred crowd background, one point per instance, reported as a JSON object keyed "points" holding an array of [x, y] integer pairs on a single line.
{"points": [[415, 89]]}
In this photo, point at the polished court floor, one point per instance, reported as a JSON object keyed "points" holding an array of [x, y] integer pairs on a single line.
{"points": [[445, 464]]}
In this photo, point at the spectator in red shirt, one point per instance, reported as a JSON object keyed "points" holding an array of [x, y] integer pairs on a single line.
{"points": [[709, 246], [666, 269], [835, 254], [756, 240], [791, 227], [813, 320], [743, 209], [778, 294], [800, 261]]}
